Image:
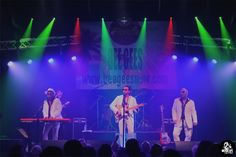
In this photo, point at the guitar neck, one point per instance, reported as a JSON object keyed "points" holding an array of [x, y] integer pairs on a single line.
{"points": [[65, 104], [129, 108], [162, 118], [134, 107]]}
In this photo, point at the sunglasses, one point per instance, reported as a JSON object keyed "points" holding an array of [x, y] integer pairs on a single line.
{"points": [[125, 89]]}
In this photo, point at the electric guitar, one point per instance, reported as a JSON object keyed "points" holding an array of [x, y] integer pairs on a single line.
{"points": [[118, 115], [164, 137]]}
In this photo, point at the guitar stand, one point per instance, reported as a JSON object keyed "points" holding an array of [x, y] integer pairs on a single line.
{"points": [[143, 123]]}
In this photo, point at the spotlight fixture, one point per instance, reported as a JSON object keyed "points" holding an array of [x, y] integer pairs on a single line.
{"points": [[174, 57], [195, 59], [51, 60], [73, 58], [29, 61], [10, 63], [214, 61]]}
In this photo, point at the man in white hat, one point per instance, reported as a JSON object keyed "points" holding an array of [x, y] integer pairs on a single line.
{"points": [[52, 108]]}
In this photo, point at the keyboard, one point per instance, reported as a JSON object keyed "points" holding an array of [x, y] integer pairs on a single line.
{"points": [[31, 120]]}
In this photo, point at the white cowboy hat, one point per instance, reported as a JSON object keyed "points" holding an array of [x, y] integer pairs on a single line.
{"points": [[50, 90]]}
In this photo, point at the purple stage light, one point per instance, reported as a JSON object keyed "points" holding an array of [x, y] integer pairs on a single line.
{"points": [[235, 63], [195, 59], [51, 60], [174, 57], [10, 63], [73, 58], [29, 61]]}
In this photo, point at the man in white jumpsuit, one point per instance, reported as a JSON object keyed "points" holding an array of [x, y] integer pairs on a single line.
{"points": [[116, 106], [184, 115]]}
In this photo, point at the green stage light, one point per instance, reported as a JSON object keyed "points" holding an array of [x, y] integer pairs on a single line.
{"points": [[224, 34], [27, 33], [142, 36], [210, 47], [141, 42], [39, 44], [107, 49]]}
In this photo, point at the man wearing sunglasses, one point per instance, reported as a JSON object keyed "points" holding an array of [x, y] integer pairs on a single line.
{"points": [[125, 103], [184, 116]]}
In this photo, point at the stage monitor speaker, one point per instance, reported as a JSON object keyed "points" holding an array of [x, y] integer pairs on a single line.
{"points": [[99, 135], [148, 136], [185, 146], [58, 143]]}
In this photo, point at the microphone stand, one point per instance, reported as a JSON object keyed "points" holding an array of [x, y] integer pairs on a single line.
{"points": [[36, 115], [123, 137]]}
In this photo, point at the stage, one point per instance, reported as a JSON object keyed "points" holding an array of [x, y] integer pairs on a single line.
{"points": [[73, 69]]}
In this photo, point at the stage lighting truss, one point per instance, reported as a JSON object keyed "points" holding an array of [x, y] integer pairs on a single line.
{"points": [[73, 40], [8, 45], [195, 41], [61, 41], [25, 43]]}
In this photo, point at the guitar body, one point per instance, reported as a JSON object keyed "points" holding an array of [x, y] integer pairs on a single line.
{"points": [[164, 137], [119, 116]]}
